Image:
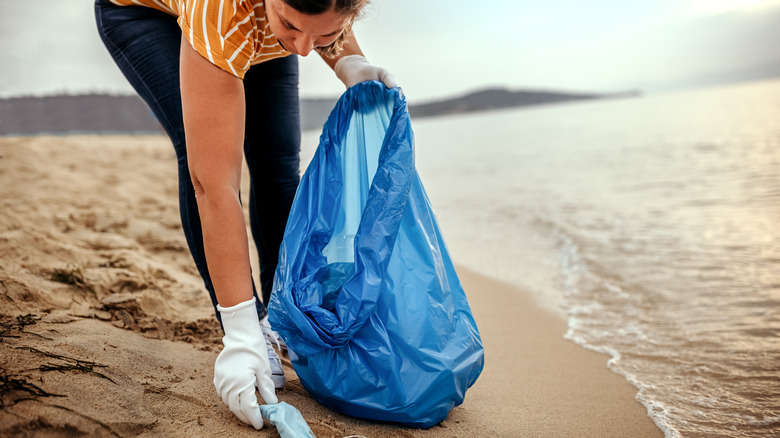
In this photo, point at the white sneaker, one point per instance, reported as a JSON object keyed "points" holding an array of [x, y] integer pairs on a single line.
{"points": [[272, 336], [277, 374]]}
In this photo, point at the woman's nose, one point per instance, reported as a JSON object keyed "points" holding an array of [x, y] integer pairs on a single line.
{"points": [[304, 44]]}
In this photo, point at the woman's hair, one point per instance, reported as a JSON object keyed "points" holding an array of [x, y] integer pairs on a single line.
{"points": [[349, 8], [313, 7]]}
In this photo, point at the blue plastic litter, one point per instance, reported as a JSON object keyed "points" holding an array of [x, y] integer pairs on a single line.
{"points": [[288, 421], [365, 295]]}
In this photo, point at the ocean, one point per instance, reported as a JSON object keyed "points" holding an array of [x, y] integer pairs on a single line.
{"points": [[651, 224]]}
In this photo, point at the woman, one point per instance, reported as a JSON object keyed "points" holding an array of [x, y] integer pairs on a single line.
{"points": [[190, 61]]}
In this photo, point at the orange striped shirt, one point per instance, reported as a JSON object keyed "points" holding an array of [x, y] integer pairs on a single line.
{"points": [[232, 34]]}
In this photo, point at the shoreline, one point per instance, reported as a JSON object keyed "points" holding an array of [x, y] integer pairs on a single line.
{"points": [[133, 336], [558, 388]]}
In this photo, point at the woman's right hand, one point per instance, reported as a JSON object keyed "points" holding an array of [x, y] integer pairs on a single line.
{"points": [[243, 364]]}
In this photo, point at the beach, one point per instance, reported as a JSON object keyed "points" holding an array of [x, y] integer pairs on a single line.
{"points": [[107, 330]]}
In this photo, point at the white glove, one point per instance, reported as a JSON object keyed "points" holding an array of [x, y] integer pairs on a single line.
{"points": [[243, 363], [354, 69]]}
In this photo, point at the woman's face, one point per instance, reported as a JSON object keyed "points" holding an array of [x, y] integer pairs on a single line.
{"points": [[299, 33]]}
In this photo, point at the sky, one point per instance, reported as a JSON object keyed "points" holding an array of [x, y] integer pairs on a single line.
{"points": [[438, 49]]}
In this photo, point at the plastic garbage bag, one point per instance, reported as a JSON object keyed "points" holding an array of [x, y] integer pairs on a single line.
{"points": [[365, 294]]}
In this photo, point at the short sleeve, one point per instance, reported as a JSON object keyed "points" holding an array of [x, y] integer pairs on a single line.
{"points": [[222, 31]]}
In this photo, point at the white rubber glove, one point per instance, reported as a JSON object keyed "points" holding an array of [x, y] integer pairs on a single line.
{"points": [[354, 69], [243, 363]]}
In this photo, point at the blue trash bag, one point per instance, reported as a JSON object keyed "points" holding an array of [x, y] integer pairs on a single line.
{"points": [[365, 294]]}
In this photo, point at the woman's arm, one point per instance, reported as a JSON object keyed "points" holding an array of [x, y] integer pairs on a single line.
{"points": [[213, 108]]}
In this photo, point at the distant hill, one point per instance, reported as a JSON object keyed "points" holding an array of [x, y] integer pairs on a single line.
{"points": [[95, 113], [315, 112], [493, 99], [99, 113]]}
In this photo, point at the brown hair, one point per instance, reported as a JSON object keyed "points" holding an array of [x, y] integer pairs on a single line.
{"points": [[349, 8]]}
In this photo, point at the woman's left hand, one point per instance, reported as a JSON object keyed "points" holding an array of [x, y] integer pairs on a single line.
{"points": [[354, 69]]}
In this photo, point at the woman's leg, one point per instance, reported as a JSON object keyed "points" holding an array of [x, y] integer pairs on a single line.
{"points": [[145, 45], [272, 146]]}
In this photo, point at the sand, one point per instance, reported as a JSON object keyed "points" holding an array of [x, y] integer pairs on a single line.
{"points": [[105, 329]]}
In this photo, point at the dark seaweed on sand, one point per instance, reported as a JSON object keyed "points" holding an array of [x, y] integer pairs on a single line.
{"points": [[72, 276], [70, 364]]}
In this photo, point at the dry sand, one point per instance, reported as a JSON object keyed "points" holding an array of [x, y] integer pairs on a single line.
{"points": [[105, 329]]}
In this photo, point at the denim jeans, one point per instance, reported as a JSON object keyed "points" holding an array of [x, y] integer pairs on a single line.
{"points": [[145, 45]]}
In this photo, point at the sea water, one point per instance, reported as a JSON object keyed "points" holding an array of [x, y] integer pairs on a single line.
{"points": [[651, 224]]}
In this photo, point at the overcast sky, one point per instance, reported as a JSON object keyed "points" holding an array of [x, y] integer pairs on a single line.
{"points": [[439, 48]]}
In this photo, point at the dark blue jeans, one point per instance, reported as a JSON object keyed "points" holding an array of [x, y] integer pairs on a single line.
{"points": [[145, 45]]}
